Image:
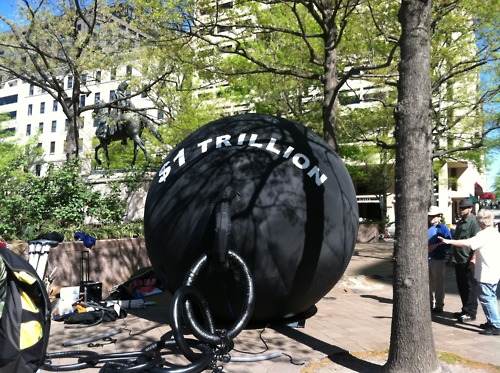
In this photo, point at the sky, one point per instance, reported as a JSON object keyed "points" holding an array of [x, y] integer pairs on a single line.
{"points": [[6, 8], [491, 173]]}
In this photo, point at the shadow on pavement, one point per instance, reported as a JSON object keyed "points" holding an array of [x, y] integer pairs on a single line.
{"points": [[377, 298], [446, 318], [336, 354]]}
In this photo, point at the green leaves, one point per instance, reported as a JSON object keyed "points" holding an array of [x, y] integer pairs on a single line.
{"points": [[60, 199]]}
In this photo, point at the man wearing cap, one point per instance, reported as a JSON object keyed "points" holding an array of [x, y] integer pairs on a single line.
{"points": [[437, 254], [467, 227]]}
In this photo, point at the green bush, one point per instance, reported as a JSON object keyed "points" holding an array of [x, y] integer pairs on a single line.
{"points": [[58, 201]]}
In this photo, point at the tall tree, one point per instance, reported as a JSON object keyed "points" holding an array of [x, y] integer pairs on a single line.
{"points": [[412, 344], [465, 45], [297, 39], [52, 40]]}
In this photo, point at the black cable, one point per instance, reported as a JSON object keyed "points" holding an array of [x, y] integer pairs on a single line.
{"points": [[266, 347], [92, 338]]}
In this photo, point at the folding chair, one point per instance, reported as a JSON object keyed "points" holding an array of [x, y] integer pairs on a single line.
{"points": [[38, 255]]}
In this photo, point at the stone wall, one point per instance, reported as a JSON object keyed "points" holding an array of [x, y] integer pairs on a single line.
{"points": [[114, 261], [368, 233]]}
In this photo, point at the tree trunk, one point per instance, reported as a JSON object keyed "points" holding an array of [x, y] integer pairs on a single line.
{"points": [[412, 343], [330, 82], [72, 136]]}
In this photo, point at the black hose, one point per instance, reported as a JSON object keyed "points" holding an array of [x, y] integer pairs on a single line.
{"points": [[196, 367], [149, 359], [114, 366], [69, 354], [208, 336], [178, 314]]}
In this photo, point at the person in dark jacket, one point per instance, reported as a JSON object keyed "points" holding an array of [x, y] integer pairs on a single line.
{"points": [[437, 255], [467, 227]]}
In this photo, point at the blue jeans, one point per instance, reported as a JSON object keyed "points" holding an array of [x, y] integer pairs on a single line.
{"points": [[488, 300]]}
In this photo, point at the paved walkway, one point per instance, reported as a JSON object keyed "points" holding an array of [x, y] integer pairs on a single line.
{"points": [[351, 321]]}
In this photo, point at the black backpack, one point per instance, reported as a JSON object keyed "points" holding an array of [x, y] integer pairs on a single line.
{"points": [[25, 320]]}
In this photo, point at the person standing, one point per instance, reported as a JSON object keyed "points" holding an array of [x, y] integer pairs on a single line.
{"points": [[467, 227], [437, 254], [486, 245]]}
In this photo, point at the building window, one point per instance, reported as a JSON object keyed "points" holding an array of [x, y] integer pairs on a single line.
{"points": [[30, 109], [70, 82], [112, 95], [161, 115], [52, 147], [97, 97], [129, 70], [84, 79], [38, 170], [40, 127], [53, 127], [32, 90], [98, 76], [28, 129], [453, 179], [113, 74], [55, 105], [82, 100], [12, 99], [42, 107]]}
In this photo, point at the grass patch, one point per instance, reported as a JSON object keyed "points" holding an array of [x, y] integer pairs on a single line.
{"points": [[454, 359], [380, 358]]}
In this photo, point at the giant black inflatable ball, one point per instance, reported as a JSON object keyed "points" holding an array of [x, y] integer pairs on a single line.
{"points": [[293, 214]]}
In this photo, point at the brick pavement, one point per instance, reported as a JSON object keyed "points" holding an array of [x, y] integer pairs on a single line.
{"points": [[352, 319]]}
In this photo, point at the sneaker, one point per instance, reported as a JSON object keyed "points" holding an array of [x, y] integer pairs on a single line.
{"points": [[491, 330], [437, 310], [486, 325], [456, 315], [466, 318]]}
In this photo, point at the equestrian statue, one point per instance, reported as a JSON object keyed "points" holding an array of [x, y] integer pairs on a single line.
{"points": [[118, 124]]}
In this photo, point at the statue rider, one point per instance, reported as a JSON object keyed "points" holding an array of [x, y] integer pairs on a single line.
{"points": [[102, 129], [117, 112]]}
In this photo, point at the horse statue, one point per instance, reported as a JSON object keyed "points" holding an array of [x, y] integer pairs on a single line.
{"points": [[120, 127]]}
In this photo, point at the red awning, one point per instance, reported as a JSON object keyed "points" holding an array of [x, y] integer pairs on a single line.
{"points": [[478, 190], [488, 195]]}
